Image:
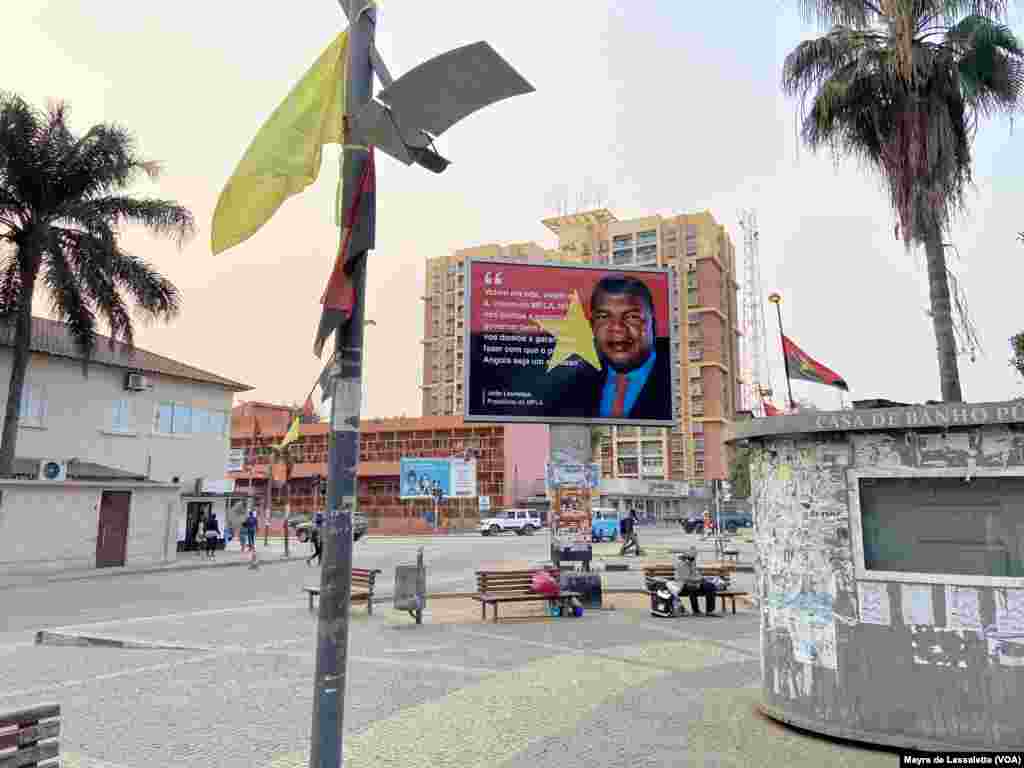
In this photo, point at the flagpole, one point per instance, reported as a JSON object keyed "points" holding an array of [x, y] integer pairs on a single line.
{"points": [[776, 299], [326, 740]]}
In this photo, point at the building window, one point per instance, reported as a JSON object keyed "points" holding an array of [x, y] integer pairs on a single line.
{"points": [[648, 254], [33, 406], [622, 241], [628, 466], [627, 449], [620, 258], [650, 237], [698, 466], [173, 419], [653, 465], [121, 416]]}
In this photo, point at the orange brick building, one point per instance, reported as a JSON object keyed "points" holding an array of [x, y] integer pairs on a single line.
{"points": [[510, 464]]}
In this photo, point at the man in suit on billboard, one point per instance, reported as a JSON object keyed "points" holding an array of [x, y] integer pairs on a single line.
{"points": [[635, 380]]}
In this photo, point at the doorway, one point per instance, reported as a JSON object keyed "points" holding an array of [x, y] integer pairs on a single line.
{"points": [[112, 536]]}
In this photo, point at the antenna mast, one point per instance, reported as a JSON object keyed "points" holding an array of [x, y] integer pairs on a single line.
{"points": [[755, 357]]}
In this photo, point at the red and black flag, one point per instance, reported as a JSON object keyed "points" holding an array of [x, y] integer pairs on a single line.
{"points": [[769, 409], [359, 235], [800, 365]]}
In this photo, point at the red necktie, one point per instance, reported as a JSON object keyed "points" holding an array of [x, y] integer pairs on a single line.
{"points": [[619, 406]]}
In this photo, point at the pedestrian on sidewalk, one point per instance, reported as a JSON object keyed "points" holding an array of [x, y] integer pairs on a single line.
{"points": [[316, 539], [249, 531], [211, 528]]}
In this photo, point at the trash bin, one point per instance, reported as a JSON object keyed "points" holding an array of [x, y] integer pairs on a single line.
{"points": [[411, 588]]}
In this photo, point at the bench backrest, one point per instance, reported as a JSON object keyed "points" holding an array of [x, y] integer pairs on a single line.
{"points": [[364, 577], [32, 733], [660, 571], [510, 582]]}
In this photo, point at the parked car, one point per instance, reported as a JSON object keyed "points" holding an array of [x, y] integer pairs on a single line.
{"points": [[303, 525], [731, 521], [525, 522]]}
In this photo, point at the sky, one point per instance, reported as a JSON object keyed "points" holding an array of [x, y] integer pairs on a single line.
{"points": [[669, 107]]}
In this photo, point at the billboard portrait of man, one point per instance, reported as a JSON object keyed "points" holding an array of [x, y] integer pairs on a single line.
{"points": [[635, 379]]}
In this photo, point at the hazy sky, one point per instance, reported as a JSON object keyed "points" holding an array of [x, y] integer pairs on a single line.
{"points": [[672, 107]]}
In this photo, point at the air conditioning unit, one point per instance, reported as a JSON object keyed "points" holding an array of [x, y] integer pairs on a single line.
{"points": [[137, 382], [53, 470]]}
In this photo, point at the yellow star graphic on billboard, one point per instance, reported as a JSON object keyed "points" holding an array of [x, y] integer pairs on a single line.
{"points": [[573, 335]]}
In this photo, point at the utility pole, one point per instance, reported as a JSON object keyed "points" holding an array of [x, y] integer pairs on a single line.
{"points": [[270, 503], [343, 453], [416, 108]]}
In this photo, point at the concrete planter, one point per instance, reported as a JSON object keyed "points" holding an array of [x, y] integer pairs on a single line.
{"points": [[890, 572]]}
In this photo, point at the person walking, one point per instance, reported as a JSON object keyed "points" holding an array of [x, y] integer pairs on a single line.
{"points": [[316, 540], [249, 526], [211, 528]]}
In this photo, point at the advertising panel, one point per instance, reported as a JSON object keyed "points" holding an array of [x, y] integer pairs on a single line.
{"points": [[566, 343], [236, 460], [463, 478], [421, 478], [569, 474]]}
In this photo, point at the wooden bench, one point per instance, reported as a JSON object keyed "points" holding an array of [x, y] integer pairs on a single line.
{"points": [[362, 588], [496, 587], [662, 571], [32, 734]]}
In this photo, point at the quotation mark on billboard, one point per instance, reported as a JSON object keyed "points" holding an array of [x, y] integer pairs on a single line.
{"points": [[492, 278]]}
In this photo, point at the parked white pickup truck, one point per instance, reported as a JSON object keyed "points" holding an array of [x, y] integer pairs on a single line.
{"points": [[523, 521]]}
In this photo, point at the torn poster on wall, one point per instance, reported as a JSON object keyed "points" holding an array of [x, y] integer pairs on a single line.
{"points": [[874, 603]]}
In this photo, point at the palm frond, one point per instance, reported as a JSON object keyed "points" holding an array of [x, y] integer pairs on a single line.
{"points": [[162, 217], [69, 304], [830, 13]]}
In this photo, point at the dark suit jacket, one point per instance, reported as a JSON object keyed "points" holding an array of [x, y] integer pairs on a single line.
{"points": [[576, 392]]}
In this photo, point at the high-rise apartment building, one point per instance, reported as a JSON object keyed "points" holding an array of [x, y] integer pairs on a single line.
{"points": [[706, 329]]}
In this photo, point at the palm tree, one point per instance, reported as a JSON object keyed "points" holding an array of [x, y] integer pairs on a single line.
{"points": [[62, 203], [901, 86]]}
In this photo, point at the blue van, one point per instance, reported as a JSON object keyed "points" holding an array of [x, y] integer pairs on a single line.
{"points": [[604, 524]]}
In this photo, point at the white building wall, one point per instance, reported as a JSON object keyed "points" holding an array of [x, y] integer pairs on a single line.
{"points": [[77, 421], [50, 527]]}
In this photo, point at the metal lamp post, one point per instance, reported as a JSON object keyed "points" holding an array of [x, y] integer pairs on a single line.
{"points": [[402, 123]]}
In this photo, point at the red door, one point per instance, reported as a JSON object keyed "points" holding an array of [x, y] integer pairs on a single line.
{"points": [[112, 538]]}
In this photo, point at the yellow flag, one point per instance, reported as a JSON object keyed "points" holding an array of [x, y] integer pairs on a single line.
{"points": [[284, 158], [292, 436]]}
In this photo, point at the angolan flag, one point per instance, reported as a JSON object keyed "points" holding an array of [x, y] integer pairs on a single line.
{"points": [[803, 366]]}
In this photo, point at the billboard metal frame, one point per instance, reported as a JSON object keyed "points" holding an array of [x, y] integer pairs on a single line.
{"points": [[466, 345]]}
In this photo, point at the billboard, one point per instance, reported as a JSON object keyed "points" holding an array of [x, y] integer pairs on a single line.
{"points": [[577, 475], [566, 343], [422, 478]]}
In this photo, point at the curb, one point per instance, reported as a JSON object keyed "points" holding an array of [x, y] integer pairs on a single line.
{"points": [[94, 641], [31, 580]]}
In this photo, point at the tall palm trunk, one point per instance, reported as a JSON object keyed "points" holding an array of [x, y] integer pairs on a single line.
{"points": [[22, 343], [942, 319]]}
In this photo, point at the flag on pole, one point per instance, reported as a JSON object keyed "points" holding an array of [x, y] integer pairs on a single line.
{"points": [[308, 412], [803, 366], [284, 157], [292, 436], [358, 237], [769, 409]]}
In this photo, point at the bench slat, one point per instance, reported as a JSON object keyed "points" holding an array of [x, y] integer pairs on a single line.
{"points": [[30, 756], [30, 715]]}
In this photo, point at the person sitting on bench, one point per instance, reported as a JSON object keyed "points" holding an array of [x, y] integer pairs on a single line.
{"points": [[693, 583]]}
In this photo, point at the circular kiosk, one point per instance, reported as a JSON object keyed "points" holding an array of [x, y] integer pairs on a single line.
{"points": [[890, 572]]}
